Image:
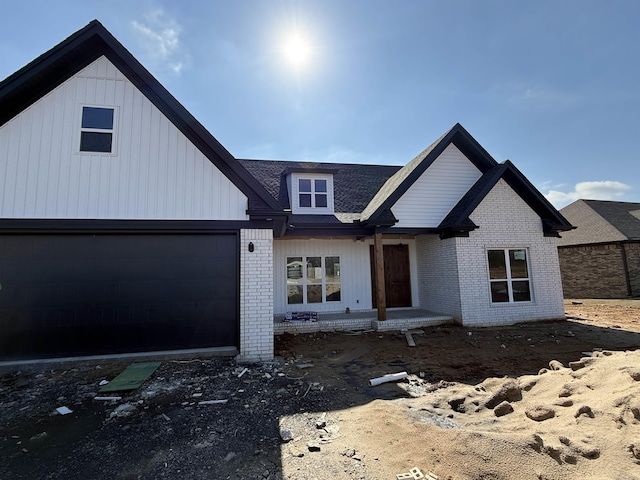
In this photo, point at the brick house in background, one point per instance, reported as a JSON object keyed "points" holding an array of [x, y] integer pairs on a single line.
{"points": [[125, 226], [601, 257]]}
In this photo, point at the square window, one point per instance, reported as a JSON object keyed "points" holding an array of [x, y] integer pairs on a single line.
{"points": [[312, 194], [313, 280], [305, 200], [321, 200], [304, 185]]}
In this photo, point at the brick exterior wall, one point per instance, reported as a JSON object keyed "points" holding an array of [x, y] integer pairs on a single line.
{"points": [[256, 296], [438, 283], [597, 271], [633, 263], [506, 221]]}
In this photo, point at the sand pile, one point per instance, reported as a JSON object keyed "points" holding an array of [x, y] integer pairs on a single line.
{"points": [[578, 421]]}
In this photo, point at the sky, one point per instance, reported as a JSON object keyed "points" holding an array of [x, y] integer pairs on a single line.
{"points": [[552, 85]]}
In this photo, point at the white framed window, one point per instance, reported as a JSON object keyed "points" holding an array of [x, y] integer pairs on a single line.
{"points": [[509, 275], [311, 193], [313, 279], [97, 128]]}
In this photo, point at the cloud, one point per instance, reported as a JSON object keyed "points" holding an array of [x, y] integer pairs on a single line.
{"points": [[596, 190], [160, 37]]}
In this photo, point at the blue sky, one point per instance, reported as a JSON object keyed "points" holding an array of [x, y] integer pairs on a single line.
{"points": [[552, 85]]}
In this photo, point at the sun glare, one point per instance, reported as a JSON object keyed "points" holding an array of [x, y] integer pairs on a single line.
{"points": [[297, 50]]}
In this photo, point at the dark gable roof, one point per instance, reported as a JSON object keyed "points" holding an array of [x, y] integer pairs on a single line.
{"points": [[397, 185], [354, 185], [457, 222], [374, 189], [624, 216], [54, 67]]}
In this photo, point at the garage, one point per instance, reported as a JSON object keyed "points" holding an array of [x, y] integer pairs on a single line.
{"points": [[64, 294]]}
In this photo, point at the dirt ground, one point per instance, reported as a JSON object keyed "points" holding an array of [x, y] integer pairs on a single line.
{"points": [[311, 414]]}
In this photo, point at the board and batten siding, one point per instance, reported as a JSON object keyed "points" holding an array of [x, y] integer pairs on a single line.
{"points": [[355, 272], [155, 172], [437, 191]]}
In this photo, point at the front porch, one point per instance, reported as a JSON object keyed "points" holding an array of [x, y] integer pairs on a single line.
{"points": [[397, 319]]}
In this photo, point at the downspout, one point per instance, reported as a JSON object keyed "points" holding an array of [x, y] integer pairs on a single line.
{"points": [[625, 265]]}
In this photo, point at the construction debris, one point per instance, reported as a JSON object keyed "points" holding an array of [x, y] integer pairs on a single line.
{"points": [[131, 377], [213, 402], [392, 377], [416, 474], [409, 338]]}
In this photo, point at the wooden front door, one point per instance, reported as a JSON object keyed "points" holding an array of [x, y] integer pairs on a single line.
{"points": [[397, 277]]}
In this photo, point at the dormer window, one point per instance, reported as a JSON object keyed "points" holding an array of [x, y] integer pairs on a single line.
{"points": [[311, 192]]}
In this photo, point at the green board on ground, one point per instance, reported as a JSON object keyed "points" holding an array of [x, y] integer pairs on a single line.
{"points": [[131, 378]]}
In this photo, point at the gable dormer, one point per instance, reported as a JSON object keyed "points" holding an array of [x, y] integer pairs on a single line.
{"points": [[310, 191]]}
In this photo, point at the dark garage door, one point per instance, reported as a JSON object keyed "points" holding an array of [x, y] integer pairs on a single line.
{"points": [[89, 294]]}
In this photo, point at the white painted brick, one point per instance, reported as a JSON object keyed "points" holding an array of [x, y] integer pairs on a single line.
{"points": [[453, 273], [506, 221], [256, 295]]}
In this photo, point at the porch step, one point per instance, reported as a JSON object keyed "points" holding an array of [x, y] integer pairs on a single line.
{"points": [[348, 324]]}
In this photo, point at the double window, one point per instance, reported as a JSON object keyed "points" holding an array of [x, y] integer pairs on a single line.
{"points": [[313, 279], [509, 275], [312, 193], [96, 130]]}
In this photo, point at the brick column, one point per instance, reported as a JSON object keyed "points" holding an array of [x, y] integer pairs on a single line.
{"points": [[256, 295]]}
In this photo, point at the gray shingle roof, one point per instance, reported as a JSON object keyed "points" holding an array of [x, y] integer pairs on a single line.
{"points": [[365, 194], [354, 185], [599, 221]]}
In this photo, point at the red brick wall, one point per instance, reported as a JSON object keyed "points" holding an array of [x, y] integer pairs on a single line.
{"points": [[595, 271]]}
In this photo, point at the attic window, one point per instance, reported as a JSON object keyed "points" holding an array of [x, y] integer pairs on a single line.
{"points": [[96, 130], [312, 193]]}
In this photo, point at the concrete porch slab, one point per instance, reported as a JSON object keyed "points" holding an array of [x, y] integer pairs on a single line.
{"points": [[397, 319]]}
